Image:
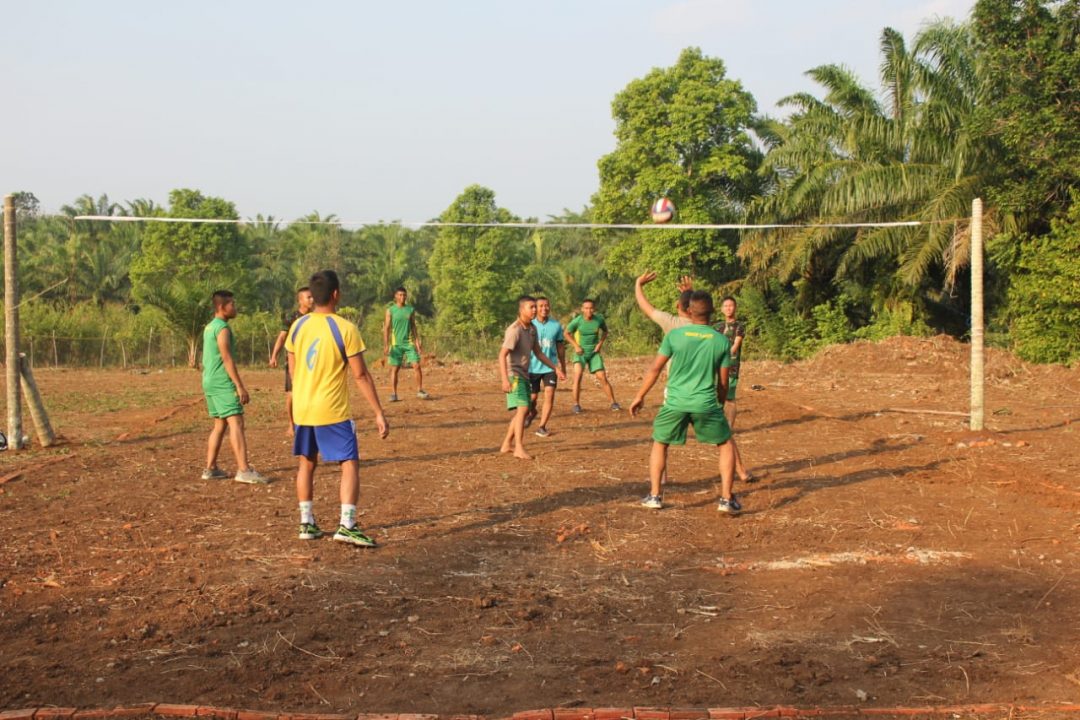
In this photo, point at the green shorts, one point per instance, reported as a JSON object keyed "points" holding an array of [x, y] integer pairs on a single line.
{"points": [[222, 403], [594, 364], [710, 427], [519, 393], [732, 384], [408, 352]]}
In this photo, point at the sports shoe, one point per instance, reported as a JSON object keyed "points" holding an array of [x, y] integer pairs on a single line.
{"points": [[422, 394], [616, 407], [529, 417], [310, 531], [576, 409], [353, 536], [653, 502], [731, 506], [251, 476], [393, 397], [214, 473], [542, 432]]}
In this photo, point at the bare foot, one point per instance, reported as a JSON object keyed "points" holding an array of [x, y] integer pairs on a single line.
{"points": [[522, 455], [505, 449]]}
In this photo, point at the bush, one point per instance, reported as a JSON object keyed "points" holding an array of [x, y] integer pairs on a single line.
{"points": [[898, 318], [1044, 296], [831, 322], [775, 327]]}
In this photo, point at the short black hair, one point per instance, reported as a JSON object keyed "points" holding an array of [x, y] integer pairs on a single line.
{"points": [[701, 304], [684, 299], [323, 284], [588, 300], [221, 298], [525, 299], [303, 289], [729, 297], [400, 288], [541, 297]]}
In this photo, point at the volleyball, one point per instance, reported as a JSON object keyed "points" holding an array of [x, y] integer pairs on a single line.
{"points": [[662, 210]]}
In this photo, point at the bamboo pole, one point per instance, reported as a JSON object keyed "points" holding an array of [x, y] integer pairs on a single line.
{"points": [[45, 433], [977, 356], [11, 326]]}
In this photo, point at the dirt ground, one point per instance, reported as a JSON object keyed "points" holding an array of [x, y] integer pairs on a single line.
{"points": [[884, 557]]}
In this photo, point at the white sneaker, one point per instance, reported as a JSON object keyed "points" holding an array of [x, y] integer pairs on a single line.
{"points": [[251, 476], [653, 502]]}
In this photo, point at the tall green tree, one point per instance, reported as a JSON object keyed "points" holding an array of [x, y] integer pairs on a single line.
{"points": [[683, 132], [476, 271], [217, 253], [1029, 52]]}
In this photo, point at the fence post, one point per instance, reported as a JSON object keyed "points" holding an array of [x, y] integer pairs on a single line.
{"points": [[11, 325], [977, 356], [149, 340], [45, 433], [101, 357]]}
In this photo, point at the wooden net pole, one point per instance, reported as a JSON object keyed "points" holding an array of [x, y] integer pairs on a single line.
{"points": [[977, 357], [11, 326]]}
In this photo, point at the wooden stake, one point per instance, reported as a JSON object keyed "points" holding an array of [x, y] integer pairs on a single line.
{"points": [[977, 356], [11, 326], [45, 433]]}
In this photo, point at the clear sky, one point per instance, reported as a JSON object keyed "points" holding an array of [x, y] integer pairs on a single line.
{"points": [[381, 110]]}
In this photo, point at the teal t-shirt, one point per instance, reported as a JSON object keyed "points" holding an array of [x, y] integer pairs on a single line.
{"points": [[214, 376], [587, 332], [697, 353], [549, 334]]}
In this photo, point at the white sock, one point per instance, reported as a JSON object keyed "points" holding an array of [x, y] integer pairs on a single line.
{"points": [[306, 516], [348, 515]]}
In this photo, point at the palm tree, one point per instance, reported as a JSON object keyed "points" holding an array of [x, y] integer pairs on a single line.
{"points": [[849, 158], [84, 240], [185, 306]]}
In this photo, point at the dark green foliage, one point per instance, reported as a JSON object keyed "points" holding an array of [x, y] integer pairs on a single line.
{"points": [[1030, 54], [1044, 299]]}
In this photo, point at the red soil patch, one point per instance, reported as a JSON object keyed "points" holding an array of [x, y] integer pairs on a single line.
{"points": [[953, 573]]}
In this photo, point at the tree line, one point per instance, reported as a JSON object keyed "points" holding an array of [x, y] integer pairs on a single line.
{"points": [[985, 108]]}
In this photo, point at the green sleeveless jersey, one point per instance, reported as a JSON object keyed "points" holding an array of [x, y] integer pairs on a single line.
{"points": [[400, 324], [214, 376]]}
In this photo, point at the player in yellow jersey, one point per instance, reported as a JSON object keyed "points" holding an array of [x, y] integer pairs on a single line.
{"points": [[321, 347]]}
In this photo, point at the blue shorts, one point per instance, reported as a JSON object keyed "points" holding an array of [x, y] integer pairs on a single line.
{"points": [[334, 443]]}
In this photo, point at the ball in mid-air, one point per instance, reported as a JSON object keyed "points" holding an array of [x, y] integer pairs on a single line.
{"points": [[662, 210]]}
